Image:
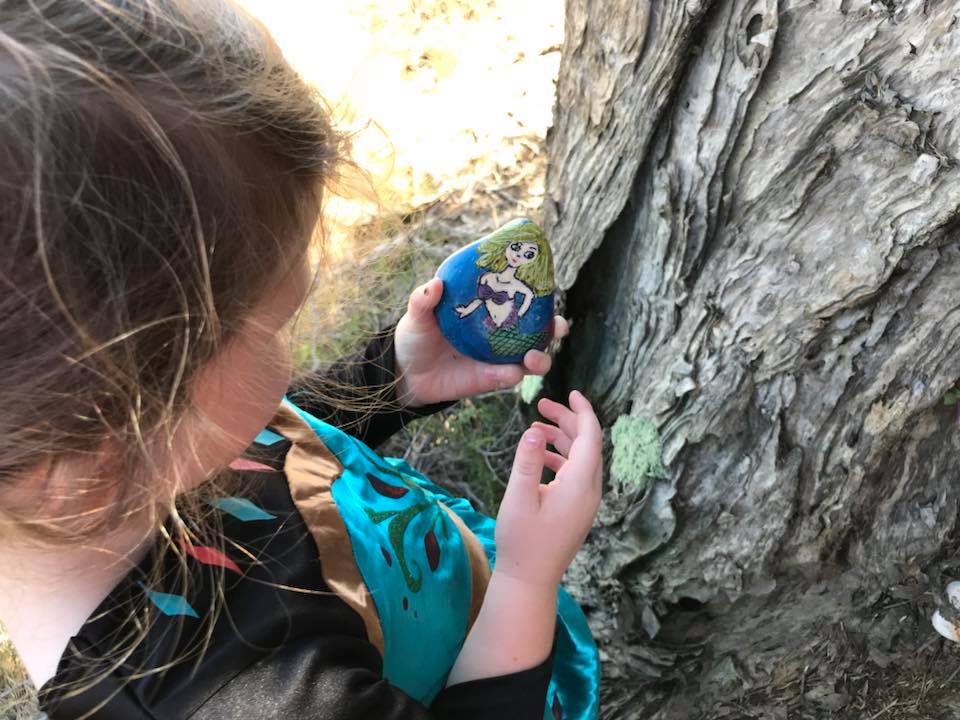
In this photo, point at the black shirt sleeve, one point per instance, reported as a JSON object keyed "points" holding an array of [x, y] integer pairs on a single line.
{"points": [[358, 393], [518, 695], [338, 678]]}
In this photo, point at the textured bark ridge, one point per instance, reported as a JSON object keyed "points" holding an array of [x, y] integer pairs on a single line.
{"points": [[754, 205]]}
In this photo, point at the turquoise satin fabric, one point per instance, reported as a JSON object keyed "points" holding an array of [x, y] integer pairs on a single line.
{"points": [[423, 612], [576, 665], [414, 563]]}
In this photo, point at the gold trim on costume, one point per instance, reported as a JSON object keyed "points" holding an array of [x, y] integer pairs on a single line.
{"points": [[311, 470]]}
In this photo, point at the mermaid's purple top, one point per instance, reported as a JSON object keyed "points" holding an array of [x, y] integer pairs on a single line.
{"points": [[485, 292]]}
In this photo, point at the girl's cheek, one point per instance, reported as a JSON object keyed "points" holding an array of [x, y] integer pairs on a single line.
{"points": [[267, 380], [236, 399], [280, 359]]}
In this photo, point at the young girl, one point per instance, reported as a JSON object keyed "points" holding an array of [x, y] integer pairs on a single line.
{"points": [[179, 538]]}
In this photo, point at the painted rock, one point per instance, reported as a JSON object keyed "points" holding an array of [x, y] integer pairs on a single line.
{"points": [[497, 298]]}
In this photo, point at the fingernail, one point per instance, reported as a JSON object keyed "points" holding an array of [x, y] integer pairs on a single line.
{"points": [[532, 437]]}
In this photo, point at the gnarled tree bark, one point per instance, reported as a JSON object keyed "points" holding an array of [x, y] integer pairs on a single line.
{"points": [[754, 205]]}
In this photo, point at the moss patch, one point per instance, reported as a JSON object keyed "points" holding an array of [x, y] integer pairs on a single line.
{"points": [[530, 388], [637, 452]]}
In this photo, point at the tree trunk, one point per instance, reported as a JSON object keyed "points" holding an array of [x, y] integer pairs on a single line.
{"points": [[754, 205]]}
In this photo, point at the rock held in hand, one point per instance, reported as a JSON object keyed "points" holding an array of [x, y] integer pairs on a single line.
{"points": [[497, 298]]}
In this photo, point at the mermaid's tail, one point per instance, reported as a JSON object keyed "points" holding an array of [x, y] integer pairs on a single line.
{"points": [[506, 341]]}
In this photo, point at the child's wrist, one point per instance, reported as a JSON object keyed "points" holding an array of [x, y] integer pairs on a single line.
{"points": [[522, 584], [513, 632]]}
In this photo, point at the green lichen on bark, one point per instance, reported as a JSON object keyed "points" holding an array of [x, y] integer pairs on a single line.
{"points": [[637, 452], [530, 387]]}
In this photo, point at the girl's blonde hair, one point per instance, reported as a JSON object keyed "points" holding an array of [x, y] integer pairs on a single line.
{"points": [[538, 275]]}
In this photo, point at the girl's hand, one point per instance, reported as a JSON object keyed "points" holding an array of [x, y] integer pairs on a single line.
{"points": [[431, 371], [541, 527]]}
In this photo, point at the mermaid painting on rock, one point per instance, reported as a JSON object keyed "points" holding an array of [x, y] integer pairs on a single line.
{"points": [[519, 262]]}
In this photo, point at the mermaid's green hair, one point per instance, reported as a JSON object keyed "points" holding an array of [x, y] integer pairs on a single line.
{"points": [[538, 275]]}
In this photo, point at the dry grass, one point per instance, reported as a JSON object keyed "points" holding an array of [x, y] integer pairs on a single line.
{"points": [[17, 698]]}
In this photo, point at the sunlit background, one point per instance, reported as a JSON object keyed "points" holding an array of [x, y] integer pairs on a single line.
{"points": [[442, 94]]}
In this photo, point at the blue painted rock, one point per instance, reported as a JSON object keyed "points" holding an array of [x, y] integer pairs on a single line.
{"points": [[497, 298]]}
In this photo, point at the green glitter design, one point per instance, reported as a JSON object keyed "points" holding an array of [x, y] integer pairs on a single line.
{"points": [[399, 521]]}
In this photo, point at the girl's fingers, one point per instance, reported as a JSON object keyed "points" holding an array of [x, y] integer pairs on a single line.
{"points": [[580, 471], [555, 436], [424, 299], [587, 424], [560, 327], [536, 362], [559, 414], [496, 377], [523, 489], [457, 377], [579, 403], [554, 461], [583, 464], [472, 377]]}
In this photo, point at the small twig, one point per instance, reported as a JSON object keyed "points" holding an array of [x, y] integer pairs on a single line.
{"points": [[417, 432], [923, 683], [949, 679], [883, 710]]}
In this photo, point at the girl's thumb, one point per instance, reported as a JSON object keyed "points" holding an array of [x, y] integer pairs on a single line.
{"points": [[424, 299], [524, 485]]}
